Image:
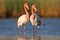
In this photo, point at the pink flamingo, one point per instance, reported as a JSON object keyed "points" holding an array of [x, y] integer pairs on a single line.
{"points": [[24, 18], [34, 18]]}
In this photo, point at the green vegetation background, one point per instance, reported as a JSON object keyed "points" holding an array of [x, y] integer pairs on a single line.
{"points": [[14, 8]]}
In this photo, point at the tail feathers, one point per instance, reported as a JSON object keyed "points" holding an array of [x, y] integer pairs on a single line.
{"points": [[38, 25]]}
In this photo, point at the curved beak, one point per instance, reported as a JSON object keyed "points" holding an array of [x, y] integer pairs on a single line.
{"points": [[35, 10]]}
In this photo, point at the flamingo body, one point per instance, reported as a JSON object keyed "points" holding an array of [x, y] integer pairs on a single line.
{"points": [[22, 20], [36, 21], [33, 21]]}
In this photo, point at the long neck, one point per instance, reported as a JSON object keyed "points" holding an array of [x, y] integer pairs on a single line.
{"points": [[32, 11], [33, 17], [27, 14]]}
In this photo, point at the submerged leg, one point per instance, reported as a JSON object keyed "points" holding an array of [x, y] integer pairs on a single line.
{"points": [[34, 31], [24, 31], [21, 31]]}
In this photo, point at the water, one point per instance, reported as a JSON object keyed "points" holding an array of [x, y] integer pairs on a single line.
{"points": [[8, 27]]}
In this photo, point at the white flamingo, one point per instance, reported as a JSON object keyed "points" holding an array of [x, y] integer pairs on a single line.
{"points": [[24, 18], [34, 18]]}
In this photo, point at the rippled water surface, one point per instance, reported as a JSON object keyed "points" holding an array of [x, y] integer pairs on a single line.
{"points": [[8, 27]]}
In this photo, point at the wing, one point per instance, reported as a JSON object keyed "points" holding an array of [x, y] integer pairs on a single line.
{"points": [[21, 20], [38, 19]]}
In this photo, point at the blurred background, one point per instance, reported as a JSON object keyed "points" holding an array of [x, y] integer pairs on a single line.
{"points": [[14, 8], [48, 10]]}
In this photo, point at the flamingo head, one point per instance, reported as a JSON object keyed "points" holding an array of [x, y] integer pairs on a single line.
{"points": [[34, 8], [26, 6]]}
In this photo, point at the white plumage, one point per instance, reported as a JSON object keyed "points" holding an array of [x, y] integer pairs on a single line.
{"points": [[22, 20], [33, 21]]}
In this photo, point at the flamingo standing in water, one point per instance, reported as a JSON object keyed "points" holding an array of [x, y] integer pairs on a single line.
{"points": [[24, 18], [34, 18]]}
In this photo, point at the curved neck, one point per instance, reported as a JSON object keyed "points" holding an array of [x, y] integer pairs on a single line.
{"points": [[33, 17], [27, 14], [32, 11], [26, 11]]}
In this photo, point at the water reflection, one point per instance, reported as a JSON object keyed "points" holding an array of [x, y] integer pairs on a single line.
{"points": [[28, 38]]}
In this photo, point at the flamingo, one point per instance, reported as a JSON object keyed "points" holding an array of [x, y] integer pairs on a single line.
{"points": [[34, 18], [22, 20]]}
